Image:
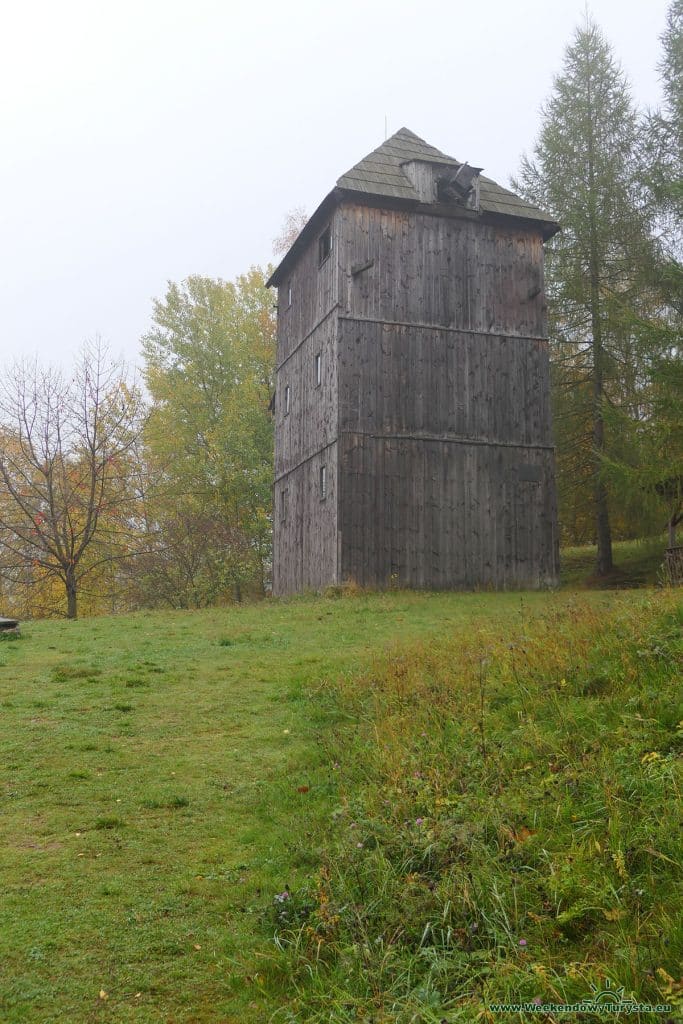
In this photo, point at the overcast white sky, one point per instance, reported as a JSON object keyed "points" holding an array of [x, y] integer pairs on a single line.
{"points": [[144, 141]]}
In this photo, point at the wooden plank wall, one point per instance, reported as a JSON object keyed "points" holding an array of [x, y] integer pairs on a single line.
{"points": [[446, 460], [429, 513], [314, 294], [434, 382], [305, 543], [311, 423], [447, 271]]}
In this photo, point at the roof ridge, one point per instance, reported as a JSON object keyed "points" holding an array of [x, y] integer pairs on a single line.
{"points": [[400, 148]]}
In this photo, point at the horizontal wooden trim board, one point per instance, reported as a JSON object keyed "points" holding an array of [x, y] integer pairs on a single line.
{"points": [[440, 438], [439, 327], [447, 438], [307, 336], [303, 462]]}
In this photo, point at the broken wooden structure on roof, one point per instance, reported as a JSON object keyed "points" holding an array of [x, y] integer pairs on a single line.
{"points": [[413, 438]]}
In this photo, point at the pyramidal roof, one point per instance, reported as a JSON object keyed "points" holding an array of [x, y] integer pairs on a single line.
{"points": [[382, 174]]}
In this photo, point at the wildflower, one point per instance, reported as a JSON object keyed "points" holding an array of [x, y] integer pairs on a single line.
{"points": [[281, 897], [419, 821], [522, 942], [620, 864], [359, 845]]}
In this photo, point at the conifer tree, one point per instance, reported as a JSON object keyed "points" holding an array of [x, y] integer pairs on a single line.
{"points": [[662, 148], [652, 465], [584, 175]]}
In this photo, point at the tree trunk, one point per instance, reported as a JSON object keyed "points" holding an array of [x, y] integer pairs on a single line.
{"points": [[603, 562], [603, 533], [71, 596]]}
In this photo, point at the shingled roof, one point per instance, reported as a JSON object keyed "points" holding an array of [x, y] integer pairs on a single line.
{"points": [[381, 174]]}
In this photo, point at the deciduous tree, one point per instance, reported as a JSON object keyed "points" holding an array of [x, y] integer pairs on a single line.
{"points": [[64, 446], [291, 229], [209, 369]]}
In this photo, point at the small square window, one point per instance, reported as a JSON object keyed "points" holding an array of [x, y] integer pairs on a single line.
{"points": [[323, 482], [318, 369], [324, 245], [287, 399]]}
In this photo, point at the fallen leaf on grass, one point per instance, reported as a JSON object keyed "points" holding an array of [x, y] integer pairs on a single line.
{"points": [[614, 915], [524, 834], [103, 995]]}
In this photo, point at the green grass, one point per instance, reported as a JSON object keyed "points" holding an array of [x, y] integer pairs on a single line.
{"points": [[508, 827], [166, 776], [637, 563], [163, 777]]}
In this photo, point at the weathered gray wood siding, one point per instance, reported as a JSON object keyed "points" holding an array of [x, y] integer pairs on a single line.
{"points": [[305, 540], [311, 423], [434, 382], [448, 271], [305, 543], [446, 460], [441, 515]]}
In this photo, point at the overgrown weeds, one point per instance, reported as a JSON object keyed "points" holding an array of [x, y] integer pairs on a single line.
{"points": [[510, 825]]}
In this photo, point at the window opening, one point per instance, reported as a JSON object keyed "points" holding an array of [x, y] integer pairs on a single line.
{"points": [[324, 245]]}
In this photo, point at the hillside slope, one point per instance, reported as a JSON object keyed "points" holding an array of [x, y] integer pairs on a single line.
{"points": [[508, 829], [161, 780], [168, 778]]}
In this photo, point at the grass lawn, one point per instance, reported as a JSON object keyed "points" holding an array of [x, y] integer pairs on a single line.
{"points": [[162, 779], [508, 825], [637, 563]]}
